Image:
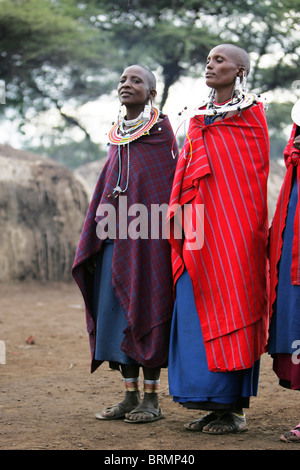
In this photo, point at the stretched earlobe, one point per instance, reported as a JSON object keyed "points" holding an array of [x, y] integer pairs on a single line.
{"points": [[152, 95]]}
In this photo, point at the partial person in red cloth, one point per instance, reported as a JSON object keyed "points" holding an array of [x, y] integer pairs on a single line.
{"points": [[123, 264], [219, 323], [284, 339]]}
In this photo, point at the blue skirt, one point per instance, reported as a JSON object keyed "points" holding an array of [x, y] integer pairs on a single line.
{"points": [[191, 383], [109, 317], [285, 322]]}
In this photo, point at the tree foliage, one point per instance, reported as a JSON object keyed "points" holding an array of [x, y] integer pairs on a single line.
{"points": [[177, 35], [49, 57]]}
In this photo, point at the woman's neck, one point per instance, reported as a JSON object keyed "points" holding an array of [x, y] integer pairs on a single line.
{"points": [[222, 95], [133, 113], [222, 98]]}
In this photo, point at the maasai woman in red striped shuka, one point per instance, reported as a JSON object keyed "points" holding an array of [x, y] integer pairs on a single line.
{"points": [[284, 340], [220, 267], [129, 296]]}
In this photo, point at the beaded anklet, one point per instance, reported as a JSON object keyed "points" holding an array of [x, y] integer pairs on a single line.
{"points": [[151, 386], [132, 384]]}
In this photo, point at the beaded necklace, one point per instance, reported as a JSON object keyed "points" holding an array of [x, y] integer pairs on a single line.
{"points": [[219, 110], [121, 136], [212, 110], [237, 103]]}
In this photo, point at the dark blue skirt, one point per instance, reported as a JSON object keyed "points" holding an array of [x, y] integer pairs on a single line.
{"points": [[109, 317], [191, 383], [285, 323]]}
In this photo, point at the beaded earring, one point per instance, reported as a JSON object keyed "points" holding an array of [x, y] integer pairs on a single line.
{"points": [[244, 82], [237, 86], [240, 86], [147, 110]]}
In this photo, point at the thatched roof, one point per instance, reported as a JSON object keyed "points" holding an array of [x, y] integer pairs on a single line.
{"points": [[42, 210], [88, 174]]}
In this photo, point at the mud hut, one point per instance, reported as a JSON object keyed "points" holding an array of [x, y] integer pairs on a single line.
{"points": [[42, 210], [88, 175]]}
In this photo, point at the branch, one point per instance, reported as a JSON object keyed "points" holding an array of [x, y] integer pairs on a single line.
{"points": [[71, 120], [68, 119]]}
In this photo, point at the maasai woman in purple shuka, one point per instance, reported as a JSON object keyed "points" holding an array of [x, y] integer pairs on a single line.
{"points": [[122, 265]]}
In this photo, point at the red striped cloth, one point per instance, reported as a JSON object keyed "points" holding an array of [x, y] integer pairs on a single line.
{"points": [[227, 173], [291, 157]]}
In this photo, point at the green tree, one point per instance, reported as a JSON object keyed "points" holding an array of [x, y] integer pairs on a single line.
{"points": [[59, 52], [49, 58], [177, 35], [278, 118]]}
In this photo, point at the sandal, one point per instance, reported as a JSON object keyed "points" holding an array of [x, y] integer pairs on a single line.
{"points": [[198, 424], [228, 423], [292, 436], [154, 414], [118, 411]]}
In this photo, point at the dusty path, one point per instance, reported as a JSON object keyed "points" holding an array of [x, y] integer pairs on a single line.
{"points": [[48, 396]]}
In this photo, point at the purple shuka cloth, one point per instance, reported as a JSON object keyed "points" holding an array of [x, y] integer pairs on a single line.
{"points": [[141, 268]]}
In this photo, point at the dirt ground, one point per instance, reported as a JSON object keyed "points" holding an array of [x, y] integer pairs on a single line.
{"points": [[48, 396]]}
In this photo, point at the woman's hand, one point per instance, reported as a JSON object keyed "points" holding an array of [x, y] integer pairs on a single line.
{"points": [[296, 142]]}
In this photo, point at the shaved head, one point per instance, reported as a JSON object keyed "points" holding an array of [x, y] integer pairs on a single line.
{"points": [[149, 75]]}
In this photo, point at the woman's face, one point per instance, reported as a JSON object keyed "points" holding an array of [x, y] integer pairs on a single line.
{"points": [[134, 89], [221, 68]]}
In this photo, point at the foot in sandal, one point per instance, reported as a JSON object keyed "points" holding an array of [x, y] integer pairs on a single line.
{"points": [[228, 423], [292, 436], [147, 411], [198, 424], [118, 411]]}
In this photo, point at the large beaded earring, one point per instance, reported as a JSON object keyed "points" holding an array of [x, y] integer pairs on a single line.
{"points": [[244, 82], [237, 86], [147, 110]]}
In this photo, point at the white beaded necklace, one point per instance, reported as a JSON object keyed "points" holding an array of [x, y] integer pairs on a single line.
{"points": [[144, 121]]}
